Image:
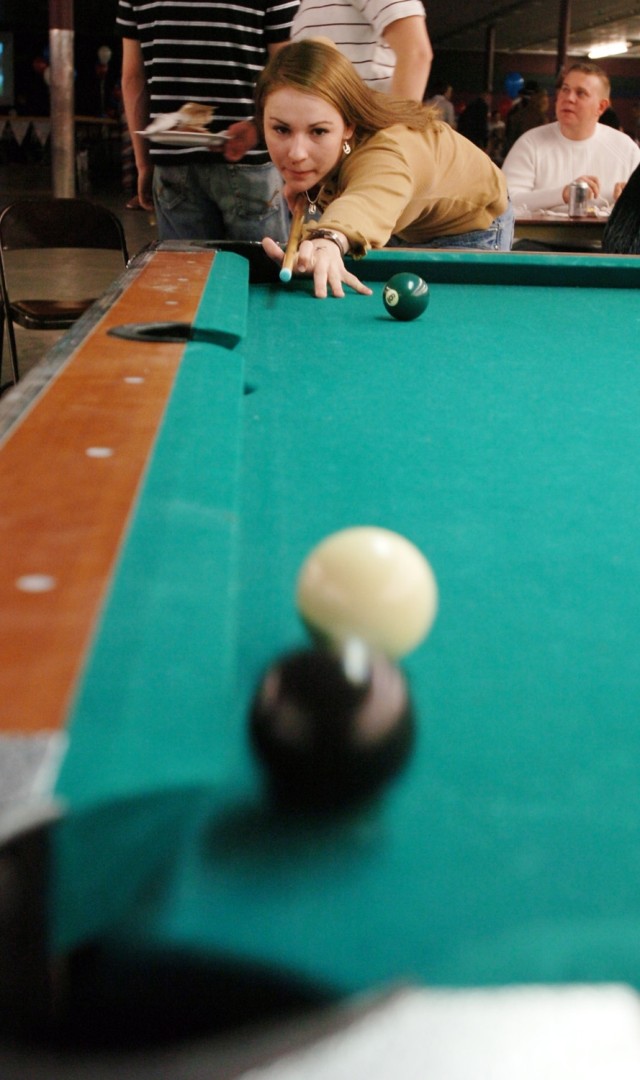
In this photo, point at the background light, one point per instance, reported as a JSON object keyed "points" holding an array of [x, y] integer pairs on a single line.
{"points": [[611, 48]]}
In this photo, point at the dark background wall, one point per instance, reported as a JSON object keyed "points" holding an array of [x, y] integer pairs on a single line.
{"points": [[27, 14], [95, 26], [465, 72]]}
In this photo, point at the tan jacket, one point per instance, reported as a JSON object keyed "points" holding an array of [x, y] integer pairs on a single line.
{"points": [[412, 184]]}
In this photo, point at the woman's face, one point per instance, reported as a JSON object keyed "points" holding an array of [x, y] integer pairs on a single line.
{"points": [[304, 136]]}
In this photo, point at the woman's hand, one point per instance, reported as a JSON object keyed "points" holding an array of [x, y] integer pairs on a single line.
{"points": [[321, 259]]}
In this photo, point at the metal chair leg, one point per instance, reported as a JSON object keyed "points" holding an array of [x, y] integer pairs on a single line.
{"points": [[13, 354], [13, 351]]}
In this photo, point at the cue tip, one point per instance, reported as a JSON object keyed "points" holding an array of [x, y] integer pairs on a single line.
{"points": [[285, 274]]}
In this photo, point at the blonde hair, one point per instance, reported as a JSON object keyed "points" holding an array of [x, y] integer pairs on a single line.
{"points": [[316, 67]]}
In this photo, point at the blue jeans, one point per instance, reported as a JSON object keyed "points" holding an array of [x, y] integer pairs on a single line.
{"points": [[498, 237], [219, 201]]}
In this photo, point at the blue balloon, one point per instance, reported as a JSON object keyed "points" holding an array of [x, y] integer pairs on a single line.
{"points": [[513, 83]]}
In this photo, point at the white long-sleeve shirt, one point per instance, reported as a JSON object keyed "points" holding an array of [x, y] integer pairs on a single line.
{"points": [[542, 162]]}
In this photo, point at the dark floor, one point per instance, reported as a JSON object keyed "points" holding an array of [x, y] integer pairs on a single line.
{"points": [[84, 273]]}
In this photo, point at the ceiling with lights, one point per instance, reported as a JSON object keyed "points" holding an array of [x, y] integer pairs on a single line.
{"points": [[533, 25]]}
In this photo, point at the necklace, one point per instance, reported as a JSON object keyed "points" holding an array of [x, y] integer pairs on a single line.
{"points": [[313, 203]]}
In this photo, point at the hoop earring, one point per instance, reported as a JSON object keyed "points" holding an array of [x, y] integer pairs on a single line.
{"points": [[346, 149]]}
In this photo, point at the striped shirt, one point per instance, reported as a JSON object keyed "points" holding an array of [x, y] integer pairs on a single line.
{"points": [[204, 51], [357, 28]]}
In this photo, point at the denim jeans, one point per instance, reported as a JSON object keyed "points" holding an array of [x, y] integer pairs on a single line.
{"points": [[219, 201], [498, 237]]}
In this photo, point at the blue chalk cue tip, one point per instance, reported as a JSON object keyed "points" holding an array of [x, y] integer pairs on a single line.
{"points": [[285, 275]]}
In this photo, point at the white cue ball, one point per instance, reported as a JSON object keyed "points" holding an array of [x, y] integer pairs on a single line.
{"points": [[369, 583]]}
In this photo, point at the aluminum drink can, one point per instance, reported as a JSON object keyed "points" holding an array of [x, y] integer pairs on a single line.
{"points": [[579, 197]]}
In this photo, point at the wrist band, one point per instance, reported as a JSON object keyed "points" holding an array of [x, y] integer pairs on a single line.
{"points": [[328, 234]]}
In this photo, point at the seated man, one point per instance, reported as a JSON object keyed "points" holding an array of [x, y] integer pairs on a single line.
{"points": [[543, 162]]}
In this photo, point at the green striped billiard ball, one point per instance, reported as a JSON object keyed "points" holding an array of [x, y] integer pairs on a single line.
{"points": [[405, 296]]}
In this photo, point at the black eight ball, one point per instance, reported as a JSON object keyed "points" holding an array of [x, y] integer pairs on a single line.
{"points": [[330, 732]]}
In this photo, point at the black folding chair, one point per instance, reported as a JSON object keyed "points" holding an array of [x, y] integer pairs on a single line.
{"points": [[45, 223]]}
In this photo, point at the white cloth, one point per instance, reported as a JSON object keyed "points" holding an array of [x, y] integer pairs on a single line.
{"points": [[542, 162], [357, 28], [445, 108]]}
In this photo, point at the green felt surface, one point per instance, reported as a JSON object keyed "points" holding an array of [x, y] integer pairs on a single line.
{"points": [[157, 693], [501, 433]]}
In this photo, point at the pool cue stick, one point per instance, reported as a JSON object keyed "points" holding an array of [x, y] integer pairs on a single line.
{"points": [[295, 234]]}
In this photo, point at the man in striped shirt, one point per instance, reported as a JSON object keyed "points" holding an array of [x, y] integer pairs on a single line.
{"points": [[385, 40], [211, 53]]}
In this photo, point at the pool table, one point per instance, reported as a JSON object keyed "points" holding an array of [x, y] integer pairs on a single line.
{"points": [[159, 498]]}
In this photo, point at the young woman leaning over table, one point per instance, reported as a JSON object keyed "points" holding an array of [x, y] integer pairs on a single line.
{"points": [[379, 169]]}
